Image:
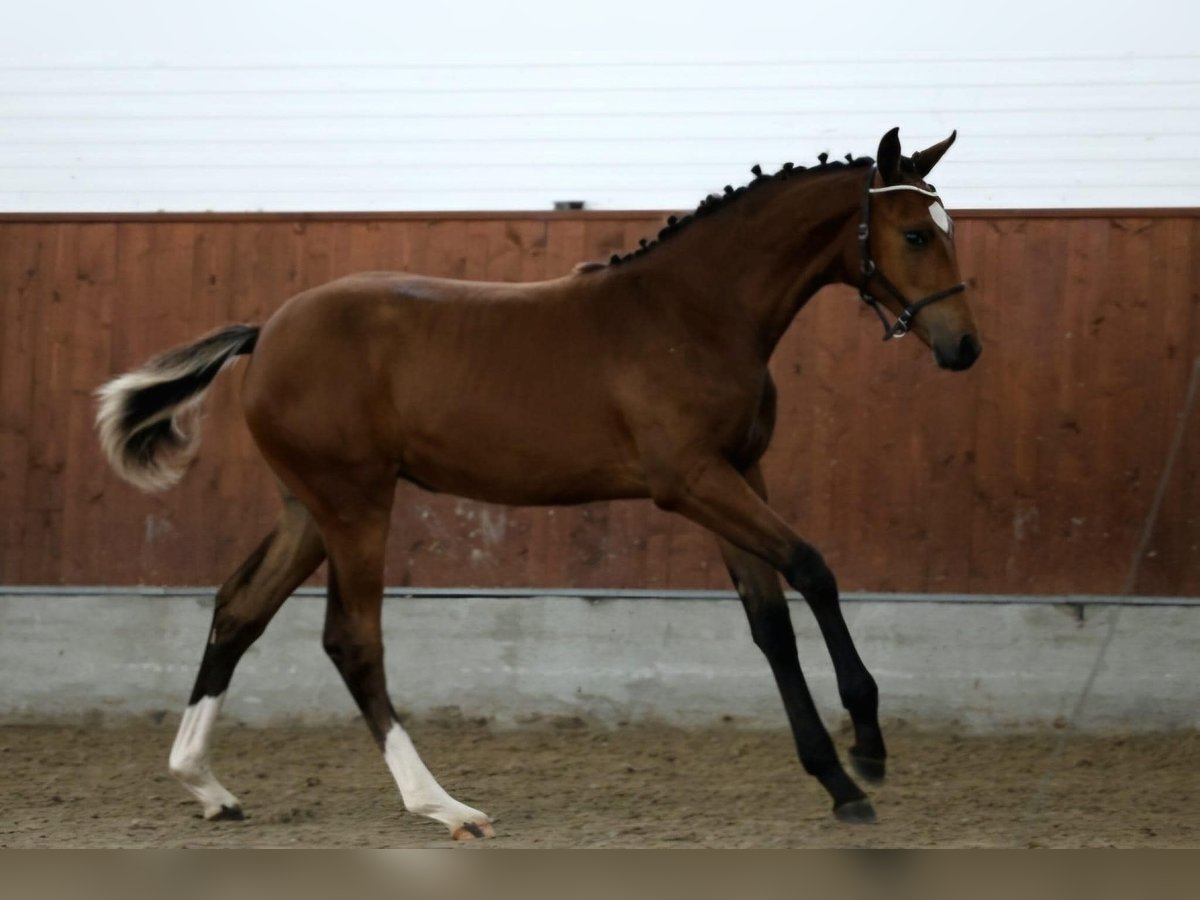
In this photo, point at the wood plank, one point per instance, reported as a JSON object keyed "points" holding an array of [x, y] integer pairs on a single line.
{"points": [[1034, 471], [992, 561], [1171, 563], [91, 349], [51, 290], [23, 252], [1127, 456]]}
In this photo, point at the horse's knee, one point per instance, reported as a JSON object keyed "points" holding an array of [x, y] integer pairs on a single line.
{"points": [[808, 573]]}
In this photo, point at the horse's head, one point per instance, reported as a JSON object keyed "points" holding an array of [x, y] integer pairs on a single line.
{"points": [[907, 254]]}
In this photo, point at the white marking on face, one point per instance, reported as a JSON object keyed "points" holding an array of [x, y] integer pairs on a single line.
{"points": [[419, 789], [189, 757], [940, 217]]}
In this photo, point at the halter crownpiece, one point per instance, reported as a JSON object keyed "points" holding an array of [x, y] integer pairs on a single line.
{"points": [[901, 187], [868, 270]]}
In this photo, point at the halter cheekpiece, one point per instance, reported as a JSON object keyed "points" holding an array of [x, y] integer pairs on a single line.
{"points": [[868, 269]]}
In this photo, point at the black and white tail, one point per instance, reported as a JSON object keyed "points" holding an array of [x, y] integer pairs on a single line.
{"points": [[147, 418]]}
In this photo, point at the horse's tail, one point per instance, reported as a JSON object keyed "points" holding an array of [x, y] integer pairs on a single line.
{"points": [[147, 418]]}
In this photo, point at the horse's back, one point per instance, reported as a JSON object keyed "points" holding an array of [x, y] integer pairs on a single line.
{"points": [[483, 389], [398, 287]]}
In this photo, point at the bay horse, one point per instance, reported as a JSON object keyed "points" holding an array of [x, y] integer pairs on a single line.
{"points": [[641, 377]]}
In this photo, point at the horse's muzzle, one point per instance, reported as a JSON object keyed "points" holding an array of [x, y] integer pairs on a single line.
{"points": [[962, 356]]}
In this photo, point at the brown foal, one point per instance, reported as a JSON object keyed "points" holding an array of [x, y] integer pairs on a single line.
{"points": [[643, 377]]}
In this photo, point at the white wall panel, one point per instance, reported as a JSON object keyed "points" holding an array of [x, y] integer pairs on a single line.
{"points": [[295, 106]]}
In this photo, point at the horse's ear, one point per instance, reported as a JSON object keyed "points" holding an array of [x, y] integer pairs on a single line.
{"points": [[925, 160], [888, 157]]}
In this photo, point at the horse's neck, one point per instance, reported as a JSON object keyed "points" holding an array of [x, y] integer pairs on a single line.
{"points": [[753, 265]]}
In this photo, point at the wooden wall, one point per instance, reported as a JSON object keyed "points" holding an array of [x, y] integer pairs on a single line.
{"points": [[1034, 472]]}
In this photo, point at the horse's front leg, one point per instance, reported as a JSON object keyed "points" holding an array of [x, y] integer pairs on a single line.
{"points": [[715, 495], [757, 585]]}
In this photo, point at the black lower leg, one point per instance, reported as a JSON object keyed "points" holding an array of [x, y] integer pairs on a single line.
{"points": [[356, 649], [361, 668], [232, 634], [249, 599], [217, 665], [856, 687], [771, 627]]}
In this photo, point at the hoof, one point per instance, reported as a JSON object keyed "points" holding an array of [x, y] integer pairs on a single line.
{"points": [[227, 814], [469, 831], [856, 812], [870, 768]]}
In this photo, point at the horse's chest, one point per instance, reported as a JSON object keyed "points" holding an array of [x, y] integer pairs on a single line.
{"points": [[754, 429]]}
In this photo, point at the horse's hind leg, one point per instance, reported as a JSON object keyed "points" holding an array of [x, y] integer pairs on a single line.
{"points": [[245, 604], [356, 535]]}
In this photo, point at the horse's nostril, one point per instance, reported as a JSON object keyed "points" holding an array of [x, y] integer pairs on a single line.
{"points": [[968, 350], [960, 356]]}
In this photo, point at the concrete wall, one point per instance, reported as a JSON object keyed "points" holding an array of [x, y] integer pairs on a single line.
{"points": [[979, 665]]}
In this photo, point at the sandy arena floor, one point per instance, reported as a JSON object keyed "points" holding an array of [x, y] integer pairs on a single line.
{"points": [[566, 785]]}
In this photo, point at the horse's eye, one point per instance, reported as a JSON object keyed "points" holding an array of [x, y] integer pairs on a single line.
{"points": [[917, 237]]}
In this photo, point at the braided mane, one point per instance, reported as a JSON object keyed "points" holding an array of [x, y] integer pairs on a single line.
{"points": [[714, 202]]}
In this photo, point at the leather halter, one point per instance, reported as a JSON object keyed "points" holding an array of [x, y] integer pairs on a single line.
{"points": [[868, 269]]}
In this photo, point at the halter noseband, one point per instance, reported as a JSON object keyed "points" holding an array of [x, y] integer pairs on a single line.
{"points": [[868, 270]]}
